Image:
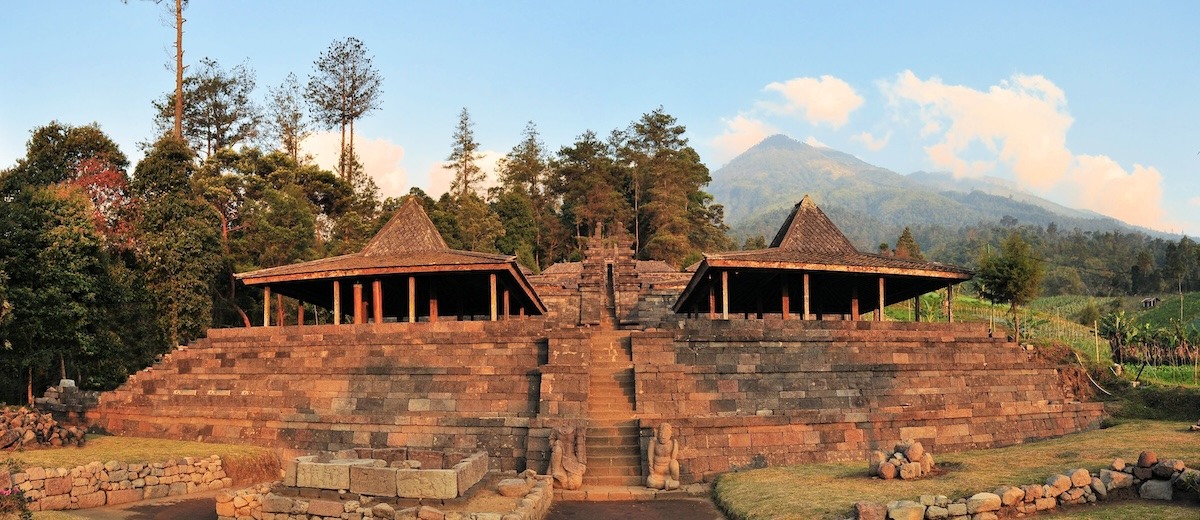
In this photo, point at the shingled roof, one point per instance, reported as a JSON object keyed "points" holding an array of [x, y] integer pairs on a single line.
{"points": [[408, 243]]}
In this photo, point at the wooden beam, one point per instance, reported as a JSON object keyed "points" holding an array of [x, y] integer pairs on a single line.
{"points": [[787, 298], [807, 307], [879, 313], [358, 304], [412, 299], [266, 306], [377, 300], [433, 303], [492, 283], [337, 302], [854, 303]]}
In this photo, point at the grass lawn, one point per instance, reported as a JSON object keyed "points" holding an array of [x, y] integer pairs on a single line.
{"points": [[1122, 511], [817, 491], [133, 450]]}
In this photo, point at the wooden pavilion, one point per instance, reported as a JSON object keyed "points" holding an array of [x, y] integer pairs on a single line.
{"points": [[406, 273], [813, 270]]}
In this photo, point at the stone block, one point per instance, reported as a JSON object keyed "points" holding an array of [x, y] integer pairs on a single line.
{"points": [[226, 509], [59, 486], [1080, 477], [937, 513], [1147, 459], [157, 491], [327, 475], [957, 509], [1115, 479], [1156, 490], [910, 471], [1045, 503], [1058, 484], [325, 508], [90, 500], [55, 502], [124, 496], [426, 483], [177, 488], [379, 482], [905, 510], [870, 511], [272, 503], [983, 502], [1010, 495], [1099, 488]]}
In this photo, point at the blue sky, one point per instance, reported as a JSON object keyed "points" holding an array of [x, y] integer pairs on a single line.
{"points": [[1092, 104]]}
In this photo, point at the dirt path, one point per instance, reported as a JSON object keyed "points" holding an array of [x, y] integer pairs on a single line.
{"points": [[689, 508], [199, 506]]}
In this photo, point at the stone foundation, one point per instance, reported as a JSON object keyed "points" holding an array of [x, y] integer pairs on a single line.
{"points": [[100, 484]]}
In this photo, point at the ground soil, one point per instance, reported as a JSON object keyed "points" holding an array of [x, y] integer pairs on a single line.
{"points": [[689, 508]]}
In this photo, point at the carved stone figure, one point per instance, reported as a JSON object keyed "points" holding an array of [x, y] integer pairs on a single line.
{"points": [[663, 455], [568, 459]]}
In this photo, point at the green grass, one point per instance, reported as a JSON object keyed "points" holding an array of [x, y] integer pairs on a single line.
{"points": [[820, 491], [1166, 375], [132, 450], [1126, 511]]}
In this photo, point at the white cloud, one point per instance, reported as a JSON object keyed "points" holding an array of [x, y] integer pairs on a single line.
{"points": [[440, 177], [871, 142], [381, 159], [1194, 201], [812, 141], [826, 99], [740, 134], [1022, 123]]}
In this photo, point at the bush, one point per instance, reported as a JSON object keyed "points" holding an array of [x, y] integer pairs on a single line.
{"points": [[14, 505], [1159, 403]]}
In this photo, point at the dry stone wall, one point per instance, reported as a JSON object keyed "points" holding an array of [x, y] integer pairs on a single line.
{"points": [[753, 393], [111, 483]]}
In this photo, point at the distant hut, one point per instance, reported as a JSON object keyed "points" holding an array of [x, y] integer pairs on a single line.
{"points": [[1150, 303], [405, 273], [813, 270]]}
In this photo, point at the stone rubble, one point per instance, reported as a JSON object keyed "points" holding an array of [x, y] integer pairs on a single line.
{"points": [[909, 461], [1150, 479], [24, 428]]}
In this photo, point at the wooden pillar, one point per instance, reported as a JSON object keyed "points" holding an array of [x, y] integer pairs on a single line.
{"points": [[299, 314], [879, 313], [950, 303], [279, 310], [917, 308], [724, 295], [492, 283], [266, 306], [854, 303], [358, 304], [433, 303], [787, 298], [377, 299], [807, 308], [337, 302], [412, 299], [506, 304], [521, 311]]}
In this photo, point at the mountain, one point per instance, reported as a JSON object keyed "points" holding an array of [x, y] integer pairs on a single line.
{"points": [[872, 204]]}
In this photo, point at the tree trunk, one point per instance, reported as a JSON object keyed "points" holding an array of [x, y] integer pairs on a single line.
{"points": [[178, 132], [342, 154], [350, 149], [29, 387]]}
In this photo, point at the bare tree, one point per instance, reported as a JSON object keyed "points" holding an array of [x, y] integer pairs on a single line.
{"points": [[344, 88], [180, 5]]}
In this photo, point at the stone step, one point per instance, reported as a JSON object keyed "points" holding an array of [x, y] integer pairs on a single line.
{"points": [[614, 452], [598, 468], [615, 441], [637, 481]]}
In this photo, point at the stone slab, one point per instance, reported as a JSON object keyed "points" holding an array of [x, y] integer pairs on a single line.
{"points": [[373, 481], [426, 483]]}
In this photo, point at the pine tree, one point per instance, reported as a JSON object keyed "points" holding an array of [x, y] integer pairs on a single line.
{"points": [[463, 156], [345, 87], [906, 246], [1013, 276]]}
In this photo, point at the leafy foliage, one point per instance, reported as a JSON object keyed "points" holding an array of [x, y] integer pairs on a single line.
{"points": [[344, 88], [1013, 276], [218, 110]]}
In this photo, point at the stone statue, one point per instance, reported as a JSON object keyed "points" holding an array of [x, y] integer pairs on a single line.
{"points": [[663, 455], [568, 460]]}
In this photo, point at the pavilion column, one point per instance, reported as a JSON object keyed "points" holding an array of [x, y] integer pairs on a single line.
{"points": [[492, 283], [279, 310], [358, 304], [506, 304], [879, 313], [266, 306], [412, 299], [917, 308], [433, 302], [377, 299], [337, 302], [724, 295], [787, 298], [807, 308], [854, 303], [950, 303], [300, 314]]}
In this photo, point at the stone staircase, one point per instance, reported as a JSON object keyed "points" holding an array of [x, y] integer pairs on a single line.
{"points": [[613, 449]]}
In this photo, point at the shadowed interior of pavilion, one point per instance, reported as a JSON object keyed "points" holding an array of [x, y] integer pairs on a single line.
{"points": [[406, 273], [813, 272]]}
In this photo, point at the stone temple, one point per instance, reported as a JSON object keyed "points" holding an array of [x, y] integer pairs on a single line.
{"points": [[757, 358]]}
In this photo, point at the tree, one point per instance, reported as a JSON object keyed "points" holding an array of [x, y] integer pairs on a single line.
{"points": [[180, 240], [345, 87], [524, 187], [755, 242], [588, 180], [177, 15], [57, 153], [1013, 276], [220, 111], [463, 156], [906, 246], [286, 120]]}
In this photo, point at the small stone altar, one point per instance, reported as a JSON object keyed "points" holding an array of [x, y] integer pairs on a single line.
{"points": [[381, 477]]}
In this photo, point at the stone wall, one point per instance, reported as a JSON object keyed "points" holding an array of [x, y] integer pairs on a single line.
{"points": [[753, 393], [99, 484], [440, 386]]}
